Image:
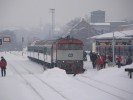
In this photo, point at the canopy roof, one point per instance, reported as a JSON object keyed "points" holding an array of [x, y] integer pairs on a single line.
{"points": [[117, 34]]}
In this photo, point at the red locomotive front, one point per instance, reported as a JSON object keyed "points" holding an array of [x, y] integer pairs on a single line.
{"points": [[68, 55]]}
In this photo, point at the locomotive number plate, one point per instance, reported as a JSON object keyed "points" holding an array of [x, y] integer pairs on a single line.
{"points": [[70, 55]]}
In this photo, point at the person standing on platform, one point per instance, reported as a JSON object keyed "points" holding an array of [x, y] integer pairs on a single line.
{"points": [[93, 59], [3, 65], [119, 59], [99, 62]]}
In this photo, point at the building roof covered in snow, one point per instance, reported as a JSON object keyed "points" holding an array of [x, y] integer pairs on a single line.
{"points": [[99, 24], [117, 35]]}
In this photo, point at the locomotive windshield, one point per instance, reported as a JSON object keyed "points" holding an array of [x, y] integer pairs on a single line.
{"points": [[70, 46]]}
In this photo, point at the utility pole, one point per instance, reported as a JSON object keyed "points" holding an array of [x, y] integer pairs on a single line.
{"points": [[113, 48], [22, 44], [53, 23]]}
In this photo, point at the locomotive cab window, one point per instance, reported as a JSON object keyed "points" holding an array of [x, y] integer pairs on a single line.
{"points": [[70, 46]]}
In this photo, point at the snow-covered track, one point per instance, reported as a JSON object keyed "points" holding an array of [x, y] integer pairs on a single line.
{"points": [[42, 81], [100, 82], [28, 83], [108, 89]]}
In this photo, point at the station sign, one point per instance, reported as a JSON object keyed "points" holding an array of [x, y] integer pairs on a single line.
{"points": [[110, 43], [123, 43], [6, 39], [103, 43]]}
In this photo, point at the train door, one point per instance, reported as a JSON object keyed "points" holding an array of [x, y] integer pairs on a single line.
{"points": [[54, 54]]}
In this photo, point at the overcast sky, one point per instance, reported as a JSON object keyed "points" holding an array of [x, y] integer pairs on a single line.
{"points": [[32, 12]]}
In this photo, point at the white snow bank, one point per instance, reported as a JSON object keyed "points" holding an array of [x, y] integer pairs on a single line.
{"points": [[113, 71], [54, 73]]}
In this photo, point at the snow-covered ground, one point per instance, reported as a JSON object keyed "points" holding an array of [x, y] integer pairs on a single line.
{"points": [[26, 80]]}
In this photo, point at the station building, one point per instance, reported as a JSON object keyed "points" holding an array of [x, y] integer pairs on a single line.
{"points": [[122, 40]]}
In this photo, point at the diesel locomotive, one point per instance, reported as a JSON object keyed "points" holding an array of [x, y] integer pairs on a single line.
{"points": [[65, 53]]}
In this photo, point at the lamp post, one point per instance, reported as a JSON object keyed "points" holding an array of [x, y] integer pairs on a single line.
{"points": [[53, 22]]}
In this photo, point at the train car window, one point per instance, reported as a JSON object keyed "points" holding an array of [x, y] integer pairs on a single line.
{"points": [[45, 50], [35, 49], [131, 51], [29, 49], [32, 48], [48, 51], [40, 49]]}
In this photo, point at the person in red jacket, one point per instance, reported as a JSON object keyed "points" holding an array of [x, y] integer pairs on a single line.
{"points": [[99, 62], [3, 64], [119, 59]]}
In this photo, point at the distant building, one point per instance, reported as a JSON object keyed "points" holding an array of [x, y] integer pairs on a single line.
{"points": [[82, 31], [98, 16], [125, 27], [111, 26], [114, 25], [101, 27]]}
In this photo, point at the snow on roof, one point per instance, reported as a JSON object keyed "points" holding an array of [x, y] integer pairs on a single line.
{"points": [[117, 34], [99, 23], [114, 21], [128, 25]]}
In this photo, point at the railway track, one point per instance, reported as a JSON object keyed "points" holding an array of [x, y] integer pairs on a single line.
{"points": [[44, 82], [109, 89], [108, 85], [40, 81], [28, 83], [118, 93]]}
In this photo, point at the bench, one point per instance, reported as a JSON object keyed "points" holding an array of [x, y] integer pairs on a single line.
{"points": [[130, 70]]}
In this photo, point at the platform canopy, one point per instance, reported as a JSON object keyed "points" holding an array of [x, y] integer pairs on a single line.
{"points": [[117, 34]]}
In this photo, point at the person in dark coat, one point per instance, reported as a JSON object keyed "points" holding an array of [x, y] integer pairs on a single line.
{"points": [[129, 60], [93, 60], [85, 56], [90, 55], [110, 58], [3, 64]]}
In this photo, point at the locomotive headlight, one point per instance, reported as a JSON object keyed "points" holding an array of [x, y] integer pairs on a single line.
{"points": [[63, 61]]}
